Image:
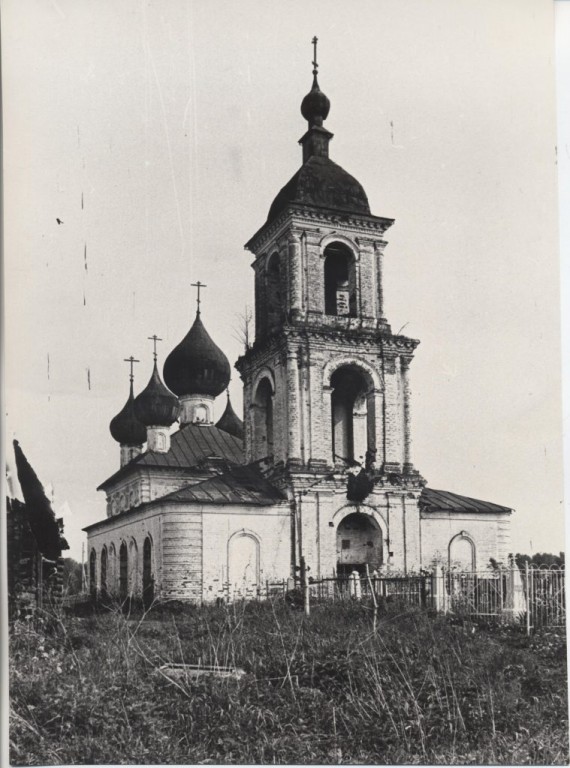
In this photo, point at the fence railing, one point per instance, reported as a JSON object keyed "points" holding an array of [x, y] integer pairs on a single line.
{"points": [[534, 597]]}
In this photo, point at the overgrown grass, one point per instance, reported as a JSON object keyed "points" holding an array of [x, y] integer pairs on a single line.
{"points": [[318, 690]]}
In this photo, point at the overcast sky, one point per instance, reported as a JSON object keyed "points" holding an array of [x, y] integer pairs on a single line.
{"points": [[158, 133]]}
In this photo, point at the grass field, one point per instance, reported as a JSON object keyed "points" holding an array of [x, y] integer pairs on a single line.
{"points": [[323, 689]]}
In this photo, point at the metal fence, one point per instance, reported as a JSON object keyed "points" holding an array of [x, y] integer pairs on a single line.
{"points": [[533, 597]]}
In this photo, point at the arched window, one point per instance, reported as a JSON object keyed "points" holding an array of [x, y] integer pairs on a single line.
{"points": [[352, 415], [93, 572], [133, 568], [263, 418], [340, 280], [112, 569], [243, 564], [274, 292], [148, 577], [123, 572], [104, 571], [462, 552]]}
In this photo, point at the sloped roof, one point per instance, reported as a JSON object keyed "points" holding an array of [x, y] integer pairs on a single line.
{"points": [[432, 500], [239, 485], [325, 184], [189, 446]]}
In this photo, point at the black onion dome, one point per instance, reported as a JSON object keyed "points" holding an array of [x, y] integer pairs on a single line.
{"points": [[156, 406], [197, 366], [324, 184], [125, 428], [315, 106], [230, 422]]}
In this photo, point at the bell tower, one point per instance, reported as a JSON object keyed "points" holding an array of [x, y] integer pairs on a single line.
{"points": [[326, 382]]}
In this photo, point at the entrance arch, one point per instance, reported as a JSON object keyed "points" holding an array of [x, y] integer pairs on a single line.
{"points": [[358, 544]]}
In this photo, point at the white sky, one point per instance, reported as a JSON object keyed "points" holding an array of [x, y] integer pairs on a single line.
{"points": [[177, 124]]}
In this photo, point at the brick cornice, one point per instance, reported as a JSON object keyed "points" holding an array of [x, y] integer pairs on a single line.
{"points": [[307, 216]]}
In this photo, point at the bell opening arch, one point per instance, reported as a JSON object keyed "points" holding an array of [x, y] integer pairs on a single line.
{"points": [[354, 411]]}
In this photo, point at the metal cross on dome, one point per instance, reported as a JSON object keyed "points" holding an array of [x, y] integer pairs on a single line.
{"points": [[154, 339], [198, 286], [132, 361], [315, 40]]}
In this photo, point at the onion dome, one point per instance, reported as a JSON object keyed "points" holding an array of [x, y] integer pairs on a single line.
{"points": [[156, 406], [315, 106], [197, 366], [230, 422], [125, 427]]}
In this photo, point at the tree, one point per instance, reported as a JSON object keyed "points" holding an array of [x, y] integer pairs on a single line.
{"points": [[544, 559], [244, 327], [72, 581]]}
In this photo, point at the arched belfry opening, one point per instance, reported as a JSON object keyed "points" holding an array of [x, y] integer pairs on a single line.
{"points": [[263, 418], [352, 415], [274, 296], [358, 544], [340, 280]]}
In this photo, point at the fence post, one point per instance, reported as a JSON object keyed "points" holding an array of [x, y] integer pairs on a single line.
{"points": [[374, 601], [438, 592], [528, 595]]}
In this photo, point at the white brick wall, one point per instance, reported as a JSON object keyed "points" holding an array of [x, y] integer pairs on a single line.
{"points": [[489, 532]]}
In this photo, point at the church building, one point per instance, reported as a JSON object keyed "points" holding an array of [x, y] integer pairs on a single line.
{"points": [[320, 469]]}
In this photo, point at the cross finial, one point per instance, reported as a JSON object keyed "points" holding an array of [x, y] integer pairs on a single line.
{"points": [[154, 339], [315, 40], [198, 285], [132, 361]]}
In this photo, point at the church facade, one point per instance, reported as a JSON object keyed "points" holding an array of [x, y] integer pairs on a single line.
{"points": [[320, 470]]}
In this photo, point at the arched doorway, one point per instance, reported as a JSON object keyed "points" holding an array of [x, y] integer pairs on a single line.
{"points": [[352, 415], [243, 565], [148, 578], [358, 544], [123, 572], [340, 281]]}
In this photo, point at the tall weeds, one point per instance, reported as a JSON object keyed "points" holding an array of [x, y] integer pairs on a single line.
{"points": [[320, 690]]}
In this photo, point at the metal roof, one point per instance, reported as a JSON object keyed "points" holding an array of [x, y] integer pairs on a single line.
{"points": [[189, 446], [239, 485], [434, 501]]}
